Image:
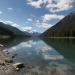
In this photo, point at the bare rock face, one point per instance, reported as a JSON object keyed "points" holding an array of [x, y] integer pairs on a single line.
{"points": [[18, 66]]}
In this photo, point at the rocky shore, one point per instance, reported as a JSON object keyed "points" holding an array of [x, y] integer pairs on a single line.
{"points": [[7, 67]]}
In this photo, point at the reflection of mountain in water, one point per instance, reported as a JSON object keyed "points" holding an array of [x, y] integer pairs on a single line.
{"points": [[10, 42], [44, 59], [65, 46]]}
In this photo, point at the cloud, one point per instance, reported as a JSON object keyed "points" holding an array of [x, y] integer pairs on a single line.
{"points": [[48, 17], [44, 20], [29, 19], [1, 12], [1, 20], [10, 8], [11, 23], [36, 4], [60, 5], [22, 28], [28, 29], [27, 44], [53, 57], [39, 24], [52, 5], [43, 25]]}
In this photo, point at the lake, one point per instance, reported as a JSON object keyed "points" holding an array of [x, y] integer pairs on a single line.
{"points": [[47, 56]]}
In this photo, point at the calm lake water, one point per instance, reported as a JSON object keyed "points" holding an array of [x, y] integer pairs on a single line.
{"points": [[47, 56]]}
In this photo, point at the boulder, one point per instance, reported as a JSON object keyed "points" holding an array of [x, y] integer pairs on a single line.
{"points": [[1, 45], [18, 66]]}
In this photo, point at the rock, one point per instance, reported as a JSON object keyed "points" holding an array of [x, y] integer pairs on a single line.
{"points": [[6, 51], [1, 45], [17, 69], [13, 56], [8, 60], [2, 63], [30, 66], [18, 66]]}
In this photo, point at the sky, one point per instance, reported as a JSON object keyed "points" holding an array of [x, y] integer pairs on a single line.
{"points": [[34, 15]]}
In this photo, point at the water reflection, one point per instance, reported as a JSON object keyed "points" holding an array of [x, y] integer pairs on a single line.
{"points": [[47, 59], [65, 46], [10, 42]]}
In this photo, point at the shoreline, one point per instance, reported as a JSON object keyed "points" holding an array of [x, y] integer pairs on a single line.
{"points": [[7, 67], [60, 37]]}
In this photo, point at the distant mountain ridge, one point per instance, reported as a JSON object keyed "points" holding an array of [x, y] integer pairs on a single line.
{"points": [[64, 28], [6, 29]]}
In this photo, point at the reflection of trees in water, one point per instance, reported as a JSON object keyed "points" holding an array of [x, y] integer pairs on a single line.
{"points": [[12, 41], [66, 47]]}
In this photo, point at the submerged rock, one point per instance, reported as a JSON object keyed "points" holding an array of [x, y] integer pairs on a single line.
{"points": [[13, 56], [30, 66]]}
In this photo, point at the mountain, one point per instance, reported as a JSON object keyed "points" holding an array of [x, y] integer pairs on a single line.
{"points": [[6, 29], [32, 34], [35, 34], [64, 28]]}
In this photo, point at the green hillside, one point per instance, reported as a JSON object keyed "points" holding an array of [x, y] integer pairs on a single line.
{"points": [[6, 29], [64, 28]]}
